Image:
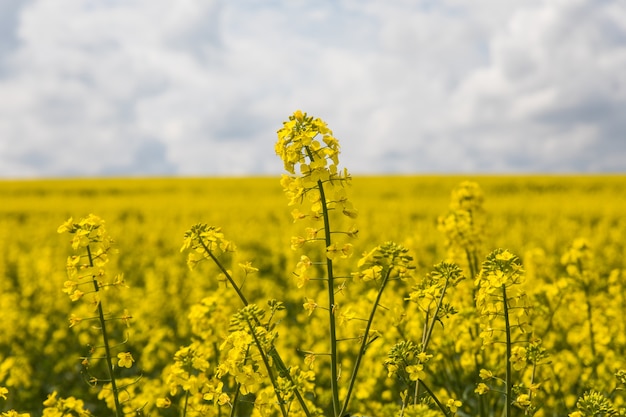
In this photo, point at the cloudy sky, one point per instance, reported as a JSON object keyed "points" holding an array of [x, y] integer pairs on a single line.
{"points": [[199, 87]]}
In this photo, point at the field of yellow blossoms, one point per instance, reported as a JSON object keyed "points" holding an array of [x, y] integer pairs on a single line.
{"points": [[316, 293]]}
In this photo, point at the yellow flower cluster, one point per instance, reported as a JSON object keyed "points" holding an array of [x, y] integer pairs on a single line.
{"points": [[406, 361], [390, 259], [463, 225], [194, 377], [93, 243], [190, 373], [58, 407], [203, 241], [500, 269], [87, 269], [319, 183], [298, 145], [429, 293]]}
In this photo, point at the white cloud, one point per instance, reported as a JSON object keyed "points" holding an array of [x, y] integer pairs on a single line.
{"points": [[200, 87]]}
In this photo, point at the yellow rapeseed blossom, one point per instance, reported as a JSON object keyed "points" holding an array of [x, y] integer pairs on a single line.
{"points": [[416, 372], [485, 374], [309, 305], [51, 400], [523, 400], [453, 405], [482, 388], [343, 251], [125, 359], [248, 268], [13, 413], [74, 320], [518, 357], [163, 402]]}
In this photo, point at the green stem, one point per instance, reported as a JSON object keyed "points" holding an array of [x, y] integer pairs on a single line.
{"points": [[532, 381], [281, 403], [224, 271], [235, 400], [508, 377], [284, 372], [334, 379], [184, 413], [357, 363], [105, 338], [434, 397], [471, 262]]}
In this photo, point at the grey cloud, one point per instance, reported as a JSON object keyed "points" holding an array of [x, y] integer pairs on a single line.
{"points": [[200, 88], [9, 22], [149, 158], [198, 33], [35, 159]]}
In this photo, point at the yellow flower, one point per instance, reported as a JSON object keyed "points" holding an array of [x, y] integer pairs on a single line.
{"points": [[347, 250], [126, 317], [331, 251], [344, 252], [497, 278], [372, 273], [80, 239], [522, 400], [485, 374], [76, 295], [68, 226], [248, 268], [505, 256], [298, 215], [3, 392], [13, 413], [518, 357], [125, 360], [74, 320], [309, 358], [309, 305], [297, 242], [214, 390], [51, 400], [416, 372], [311, 233], [350, 212], [163, 402], [453, 405], [302, 270], [223, 399], [344, 315], [304, 263], [481, 389]]}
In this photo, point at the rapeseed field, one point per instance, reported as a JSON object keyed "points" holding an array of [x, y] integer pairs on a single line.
{"points": [[315, 293]]}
